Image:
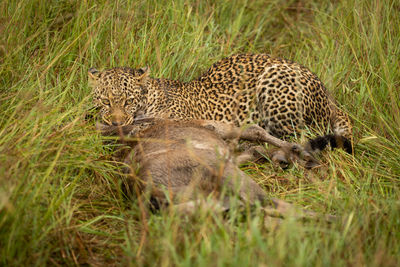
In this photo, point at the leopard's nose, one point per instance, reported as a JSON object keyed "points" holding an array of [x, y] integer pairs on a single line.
{"points": [[116, 123]]}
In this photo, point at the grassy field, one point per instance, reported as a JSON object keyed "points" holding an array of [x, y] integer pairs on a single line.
{"points": [[60, 202]]}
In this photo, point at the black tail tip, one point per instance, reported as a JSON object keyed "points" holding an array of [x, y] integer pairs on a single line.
{"points": [[335, 141], [347, 145]]}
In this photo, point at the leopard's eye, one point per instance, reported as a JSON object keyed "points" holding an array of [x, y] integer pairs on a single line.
{"points": [[129, 101], [105, 101]]}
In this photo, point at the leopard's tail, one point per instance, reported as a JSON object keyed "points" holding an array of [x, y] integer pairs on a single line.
{"points": [[335, 141], [342, 128]]}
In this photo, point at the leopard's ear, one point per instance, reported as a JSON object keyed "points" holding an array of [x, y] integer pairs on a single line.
{"points": [[143, 73], [93, 76], [92, 112]]}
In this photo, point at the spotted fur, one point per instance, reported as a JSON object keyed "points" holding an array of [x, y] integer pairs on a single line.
{"points": [[279, 95]]}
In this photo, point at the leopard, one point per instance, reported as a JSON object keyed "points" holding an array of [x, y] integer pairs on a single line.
{"points": [[279, 95]]}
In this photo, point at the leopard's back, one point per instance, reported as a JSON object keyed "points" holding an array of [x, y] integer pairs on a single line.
{"points": [[279, 95]]}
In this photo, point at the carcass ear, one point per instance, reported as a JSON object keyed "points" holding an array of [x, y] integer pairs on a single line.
{"points": [[93, 76]]}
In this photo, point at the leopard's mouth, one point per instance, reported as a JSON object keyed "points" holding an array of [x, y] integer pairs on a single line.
{"points": [[108, 130], [124, 122]]}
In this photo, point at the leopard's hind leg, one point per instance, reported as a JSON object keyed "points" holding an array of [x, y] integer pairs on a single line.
{"points": [[280, 103]]}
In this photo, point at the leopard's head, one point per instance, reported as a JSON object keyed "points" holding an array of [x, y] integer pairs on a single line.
{"points": [[119, 93]]}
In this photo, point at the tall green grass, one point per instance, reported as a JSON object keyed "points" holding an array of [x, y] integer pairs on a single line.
{"points": [[60, 202]]}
